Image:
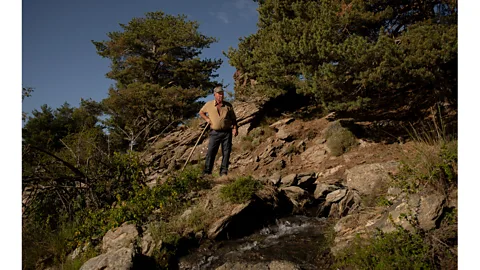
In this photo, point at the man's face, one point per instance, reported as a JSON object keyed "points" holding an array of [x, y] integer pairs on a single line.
{"points": [[219, 96]]}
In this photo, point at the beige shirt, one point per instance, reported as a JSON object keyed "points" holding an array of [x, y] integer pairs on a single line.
{"points": [[223, 120]]}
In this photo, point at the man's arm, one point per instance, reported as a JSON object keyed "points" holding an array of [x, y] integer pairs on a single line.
{"points": [[205, 117]]}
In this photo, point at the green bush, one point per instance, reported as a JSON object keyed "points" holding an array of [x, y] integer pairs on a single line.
{"points": [[397, 250], [241, 190], [339, 139]]}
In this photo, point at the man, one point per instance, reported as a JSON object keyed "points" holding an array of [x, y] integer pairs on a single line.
{"points": [[220, 116]]}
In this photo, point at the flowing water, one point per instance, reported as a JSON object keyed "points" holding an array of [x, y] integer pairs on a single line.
{"points": [[298, 239]]}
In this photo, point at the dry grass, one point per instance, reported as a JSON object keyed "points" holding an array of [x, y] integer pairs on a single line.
{"points": [[434, 159]]}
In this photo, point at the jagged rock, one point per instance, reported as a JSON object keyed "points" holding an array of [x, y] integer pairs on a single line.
{"points": [[274, 265], [218, 226], [245, 111], [268, 152], [401, 213], [162, 163], [348, 227], [301, 146], [323, 189], [148, 244], [275, 178], [315, 154], [118, 259], [282, 122], [368, 178], [123, 236], [329, 172], [306, 181], [335, 196], [284, 135], [289, 180], [297, 195], [431, 207], [393, 193], [351, 202]]}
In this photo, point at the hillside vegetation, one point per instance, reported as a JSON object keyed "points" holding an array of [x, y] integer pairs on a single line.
{"points": [[343, 70]]}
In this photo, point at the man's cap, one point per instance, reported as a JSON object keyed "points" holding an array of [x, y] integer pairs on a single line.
{"points": [[217, 89]]}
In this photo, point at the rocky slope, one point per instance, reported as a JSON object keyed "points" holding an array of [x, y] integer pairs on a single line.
{"points": [[306, 172]]}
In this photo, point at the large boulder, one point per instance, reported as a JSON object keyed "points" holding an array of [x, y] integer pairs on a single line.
{"points": [[123, 236], [315, 154], [220, 225], [370, 178], [120, 259], [431, 208], [119, 247]]}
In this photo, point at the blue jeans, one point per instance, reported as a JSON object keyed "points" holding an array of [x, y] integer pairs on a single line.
{"points": [[218, 138]]}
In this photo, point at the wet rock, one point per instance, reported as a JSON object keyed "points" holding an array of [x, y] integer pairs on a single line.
{"points": [[297, 195]]}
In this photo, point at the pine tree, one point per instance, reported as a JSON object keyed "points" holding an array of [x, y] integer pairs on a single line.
{"points": [[158, 72], [352, 55]]}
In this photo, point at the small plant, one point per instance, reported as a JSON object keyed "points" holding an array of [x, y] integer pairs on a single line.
{"points": [[339, 139], [382, 201], [241, 190], [291, 150]]}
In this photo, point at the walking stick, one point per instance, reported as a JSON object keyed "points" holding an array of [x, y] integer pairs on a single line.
{"points": [[191, 152]]}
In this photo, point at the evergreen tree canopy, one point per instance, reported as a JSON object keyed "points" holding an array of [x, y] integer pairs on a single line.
{"points": [[353, 54], [158, 72]]}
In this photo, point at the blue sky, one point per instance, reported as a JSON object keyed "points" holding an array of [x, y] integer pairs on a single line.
{"points": [[60, 62]]}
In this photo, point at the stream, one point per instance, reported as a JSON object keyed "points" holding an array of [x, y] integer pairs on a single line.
{"points": [[298, 239]]}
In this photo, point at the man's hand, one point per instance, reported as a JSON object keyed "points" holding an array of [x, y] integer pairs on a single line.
{"points": [[235, 131]]}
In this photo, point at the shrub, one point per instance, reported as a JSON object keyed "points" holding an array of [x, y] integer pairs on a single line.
{"points": [[397, 250], [241, 190], [433, 162], [339, 139]]}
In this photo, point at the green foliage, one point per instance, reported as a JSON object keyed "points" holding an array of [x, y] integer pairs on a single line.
{"points": [[39, 241], [352, 55], [140, 203], [339, 139], [397, 250], [241, 190], [82, 258], [158, 72], [382, 201]]}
